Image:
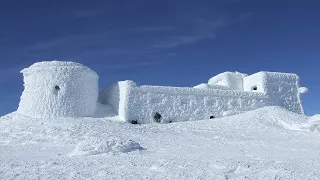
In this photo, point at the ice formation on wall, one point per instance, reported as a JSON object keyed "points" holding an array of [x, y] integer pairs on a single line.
{"points": [[140, 103], [229, 80], [281, 88], [68, 89], [225, 94], [202, 86], [58, 89], [209, 86], [303, 90]]}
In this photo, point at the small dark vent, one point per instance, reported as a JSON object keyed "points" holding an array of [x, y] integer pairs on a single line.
{"points": [[211, 117], [254, 88], [157, 117], [134, 122], [57, 88]]}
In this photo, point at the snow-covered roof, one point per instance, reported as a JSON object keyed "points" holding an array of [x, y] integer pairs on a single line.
{"points": [[202, 85], [45, 65], [235, 74], [279, 75], [224, 75]]}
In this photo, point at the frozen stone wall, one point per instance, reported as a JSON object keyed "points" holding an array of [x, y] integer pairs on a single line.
{"points": [[141, 103], [58, 89], [182, 103], [283, 90]]}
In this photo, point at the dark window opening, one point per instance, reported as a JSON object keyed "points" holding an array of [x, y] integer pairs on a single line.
{"points": [[57, 88], [254, 88], [211, 117], [134, 122], [157, 117]]}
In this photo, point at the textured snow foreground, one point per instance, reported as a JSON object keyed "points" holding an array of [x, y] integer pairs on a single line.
{"points": [[268, 143]]}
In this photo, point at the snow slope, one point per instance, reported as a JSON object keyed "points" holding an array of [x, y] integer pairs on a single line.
{"points": [[267, 143], [315, 117]]}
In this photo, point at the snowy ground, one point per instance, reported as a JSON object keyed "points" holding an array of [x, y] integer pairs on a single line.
{"points": [[315, 117], [268, 143]]}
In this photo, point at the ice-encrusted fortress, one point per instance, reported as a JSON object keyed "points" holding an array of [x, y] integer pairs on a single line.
{"points": [[67, 89]]}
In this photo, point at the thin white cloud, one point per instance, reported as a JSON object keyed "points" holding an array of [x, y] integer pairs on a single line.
{"points": [[182, 40], [70, 41], [101, 38], [145, 41], [131, 65], [200, 29], [148, 29]]}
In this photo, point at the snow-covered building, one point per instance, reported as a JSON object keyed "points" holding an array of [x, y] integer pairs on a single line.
{"points": [[228, 80], [225, 94], [67, 89], [58, 89]]}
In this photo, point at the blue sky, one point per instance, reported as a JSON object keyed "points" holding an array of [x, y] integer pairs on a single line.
{"points": [[165, 42]]}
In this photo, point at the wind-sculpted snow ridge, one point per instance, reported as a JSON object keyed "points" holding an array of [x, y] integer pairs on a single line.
{"points": [[20, 129], [98, 145], [315, 117], [275, 117], [312, 125], [260, 144]]}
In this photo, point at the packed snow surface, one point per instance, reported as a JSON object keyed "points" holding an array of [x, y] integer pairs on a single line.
{"points": [[98, 145], [267, 143], [315, 117], [228, 80]]}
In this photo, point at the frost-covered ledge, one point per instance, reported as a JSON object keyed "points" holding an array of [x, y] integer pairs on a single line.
{"points": [[196, 91], [140, 103]]}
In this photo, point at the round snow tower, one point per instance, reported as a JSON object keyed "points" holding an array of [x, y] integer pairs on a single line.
{"points": [[58, 89]]}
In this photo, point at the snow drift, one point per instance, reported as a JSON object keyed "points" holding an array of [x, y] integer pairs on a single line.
{"points": [[315, 117], [98, 145], [267, 143]]}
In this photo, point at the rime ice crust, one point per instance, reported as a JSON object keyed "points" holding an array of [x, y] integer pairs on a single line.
{"points": [[225, 94], [58, 89], [282, 89], [68, 89], [40, 66], [228, 80]]}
